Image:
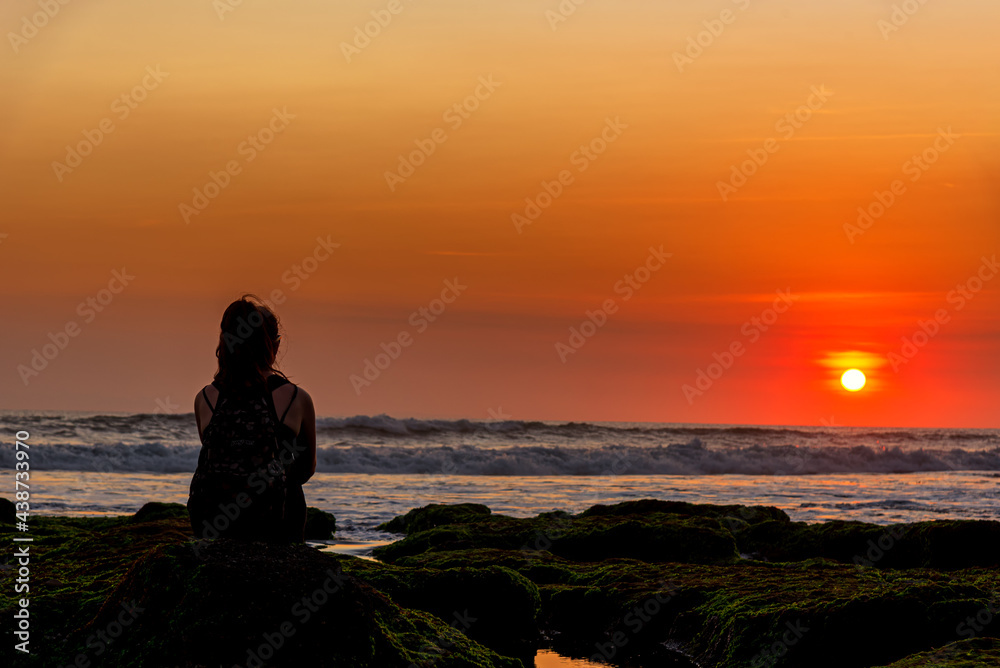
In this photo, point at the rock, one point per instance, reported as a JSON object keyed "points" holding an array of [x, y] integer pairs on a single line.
{"points": [[434, 515], [320, 525], [742, 615], [7, 511], [495, 606], [592, 585], [961, 654], [653, 581], [235, 603], [652, 536], [154, 510], [942, 544], [747, 514]]}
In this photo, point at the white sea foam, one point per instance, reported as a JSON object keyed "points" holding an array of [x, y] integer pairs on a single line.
{"points": [[385, 445]]}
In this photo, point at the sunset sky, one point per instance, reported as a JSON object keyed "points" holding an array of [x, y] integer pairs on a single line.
{"points": [[669, 99]]}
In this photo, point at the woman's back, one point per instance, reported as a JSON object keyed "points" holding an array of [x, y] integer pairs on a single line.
{"points": [[254, 459], [239, 488]]}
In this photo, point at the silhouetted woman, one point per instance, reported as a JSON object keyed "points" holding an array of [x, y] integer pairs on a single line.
{"points": [[258, 435]]}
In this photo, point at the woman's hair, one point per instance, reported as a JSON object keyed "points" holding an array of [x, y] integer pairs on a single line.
{"points": [[248, 343]]}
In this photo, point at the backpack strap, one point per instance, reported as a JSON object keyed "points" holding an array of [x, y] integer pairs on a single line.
{"points": [[205, 394], [269, 399], [295, 393]]}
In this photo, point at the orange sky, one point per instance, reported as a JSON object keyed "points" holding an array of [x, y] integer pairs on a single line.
{"points": [[883, 98]]}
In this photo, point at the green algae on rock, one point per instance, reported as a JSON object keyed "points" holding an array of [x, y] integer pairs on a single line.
{"points": [[653, 536], [236, 603], [120, 592], [435, 514], [941, 544], [970, 653], [820, 608], [154, 510], [482, 590], [320, 525], [495, 606]]}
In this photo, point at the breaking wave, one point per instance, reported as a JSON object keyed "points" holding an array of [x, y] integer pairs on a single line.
{"points": [[691, 458]]}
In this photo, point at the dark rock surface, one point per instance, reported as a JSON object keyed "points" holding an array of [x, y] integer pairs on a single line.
{"points": [[320, 525], [638, 584]]}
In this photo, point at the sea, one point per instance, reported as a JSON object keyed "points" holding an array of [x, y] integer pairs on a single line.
{"points": [[372, 468]]}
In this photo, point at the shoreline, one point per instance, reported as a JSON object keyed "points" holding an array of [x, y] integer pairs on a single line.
{"points": [[363, 501]]}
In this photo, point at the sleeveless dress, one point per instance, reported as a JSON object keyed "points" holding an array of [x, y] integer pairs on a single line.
{"points": [[248, 484], [297, 474]]}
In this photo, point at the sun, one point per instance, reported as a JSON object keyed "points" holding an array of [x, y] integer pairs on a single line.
{"points": [[853, 380]]}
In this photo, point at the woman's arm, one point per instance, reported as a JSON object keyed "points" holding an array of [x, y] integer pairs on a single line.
{"points": [[202, 410], [199, 406], [307, 435]]}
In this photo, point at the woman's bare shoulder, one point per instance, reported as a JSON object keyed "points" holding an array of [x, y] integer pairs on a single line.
{"points": [[210, 390], [304, 397]]}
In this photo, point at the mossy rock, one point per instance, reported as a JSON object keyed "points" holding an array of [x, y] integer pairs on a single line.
{"points": [[943, 544], [154, 510], [227, 602], [76, 563], [732, 615], [745, 514], [320, 525], [542, 568], [7, 511], [721, 613], [971, 653], [435, 515], [651, 537], [493, 605]]}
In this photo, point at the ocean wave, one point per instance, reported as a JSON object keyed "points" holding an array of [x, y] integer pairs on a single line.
{"points": [[690, 458], [364, 429]]}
